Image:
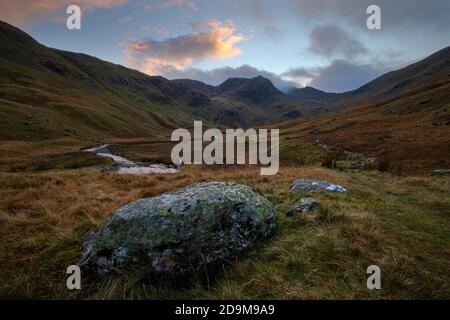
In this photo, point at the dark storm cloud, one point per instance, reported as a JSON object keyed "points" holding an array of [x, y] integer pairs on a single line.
{"points": [[330, 41]]}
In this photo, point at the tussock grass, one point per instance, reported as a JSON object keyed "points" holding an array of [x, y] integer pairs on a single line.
{"points": [[398, 223]]}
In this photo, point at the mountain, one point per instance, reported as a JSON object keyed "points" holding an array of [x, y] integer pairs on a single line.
{"points": [[47, 93], [195, 85], [433, 71], [254, 101], [314, 97], [258, 90], [402, 118]]}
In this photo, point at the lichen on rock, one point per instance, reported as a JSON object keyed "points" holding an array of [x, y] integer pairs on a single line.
{"points": [[313, 186], [179, 232]]}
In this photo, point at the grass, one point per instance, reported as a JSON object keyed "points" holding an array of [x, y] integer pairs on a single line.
{"points": [[409, 137], [398, 223]]}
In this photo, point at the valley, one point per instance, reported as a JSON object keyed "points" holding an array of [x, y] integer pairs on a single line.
{"points": [[81, 137], [399, 223]]}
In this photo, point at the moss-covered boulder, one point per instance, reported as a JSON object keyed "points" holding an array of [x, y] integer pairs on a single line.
{"points": [[179, 232]]}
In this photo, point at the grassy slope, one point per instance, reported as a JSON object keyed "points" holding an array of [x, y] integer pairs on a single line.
{"points": [[412, 135], [41, 109], [47, 93], [399, 224], [402, 118]]}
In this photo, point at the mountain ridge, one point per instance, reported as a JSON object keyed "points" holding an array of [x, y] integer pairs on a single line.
{"points": [[120, 101], [48, 93]]}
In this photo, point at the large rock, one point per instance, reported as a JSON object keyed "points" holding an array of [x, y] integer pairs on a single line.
{"points": [[304, 205], [308, 186], [179, 232]]}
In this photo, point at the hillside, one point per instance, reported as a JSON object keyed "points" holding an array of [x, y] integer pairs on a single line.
{"points": [[87, 177], [48, 93], [402, 118], [431, 72], [314, 97]]}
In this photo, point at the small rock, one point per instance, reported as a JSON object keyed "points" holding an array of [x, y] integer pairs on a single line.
{"points": [[356, 170], [424, 101], [307, 186], [179, 232], [279, 206], [304, 205], [292, 114], [314, 131], [441, 172]]}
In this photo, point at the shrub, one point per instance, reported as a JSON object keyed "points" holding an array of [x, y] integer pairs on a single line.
{"points": [[384, 165], [329, 162]]}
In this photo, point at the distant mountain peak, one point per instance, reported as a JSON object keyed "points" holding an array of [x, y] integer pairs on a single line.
{"points": [[254, 90]]}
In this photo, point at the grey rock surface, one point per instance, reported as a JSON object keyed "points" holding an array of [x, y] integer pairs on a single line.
{"points": [[442, 172], [179, 232], [304, 205], [311, 186]]}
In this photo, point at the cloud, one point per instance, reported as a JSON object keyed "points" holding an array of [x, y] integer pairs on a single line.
{"points": [[404, 15], [162, 31], [345, 70], [257, 11], [273, 33], [23, 12], [298, 73], [330, 41], [218, 75], [169, 4], [126, 19], [186, 4], [213, 40], [341, 75], [338, 76]]}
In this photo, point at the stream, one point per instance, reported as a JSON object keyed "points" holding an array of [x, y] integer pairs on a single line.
{"points": [[126, 166]]}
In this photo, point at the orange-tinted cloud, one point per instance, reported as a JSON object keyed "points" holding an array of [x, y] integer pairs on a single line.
{"points": [[213, 40], [23, 12]]}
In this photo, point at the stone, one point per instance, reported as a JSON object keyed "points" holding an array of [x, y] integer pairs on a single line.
{"points": [[280, 206], [313, 186], [304, 205], [179, 232], [314, 130], [441, 172]]}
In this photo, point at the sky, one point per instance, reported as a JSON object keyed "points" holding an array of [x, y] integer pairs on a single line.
{"points": [[295, 43]]}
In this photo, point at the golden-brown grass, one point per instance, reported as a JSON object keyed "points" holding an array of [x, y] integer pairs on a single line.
{"points": [[412, 137], [400, 224]]}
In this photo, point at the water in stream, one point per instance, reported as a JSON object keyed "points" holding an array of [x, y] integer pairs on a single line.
{"points": [[127, 166]]}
